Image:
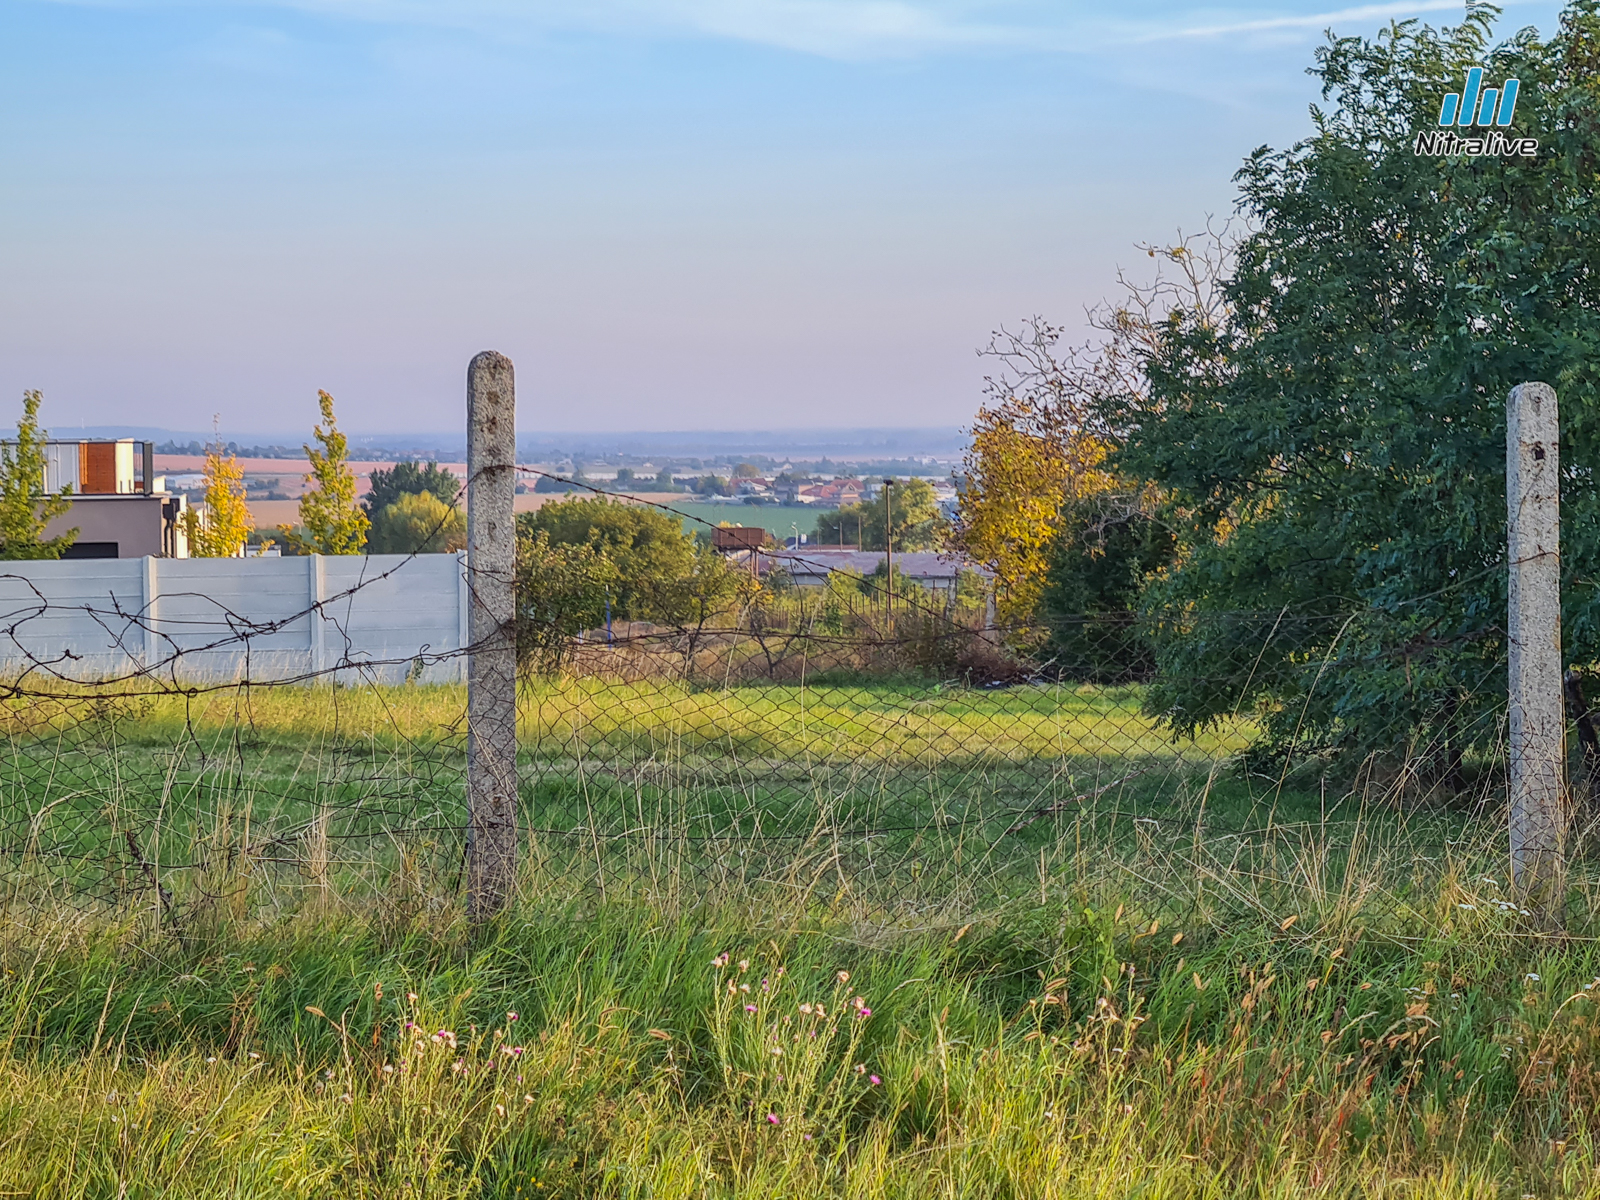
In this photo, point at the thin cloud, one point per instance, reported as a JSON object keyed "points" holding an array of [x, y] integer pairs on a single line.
{"points": [[830, 28], [840, 25], [844, 29], [1314, 21]]}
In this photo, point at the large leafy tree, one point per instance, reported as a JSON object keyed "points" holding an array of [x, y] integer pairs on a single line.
{"points": [[562, 591], [1041, 502], [417, 523], [911, 506], [1335, 449], [1036, 451], [657, 571], [388, 484]]}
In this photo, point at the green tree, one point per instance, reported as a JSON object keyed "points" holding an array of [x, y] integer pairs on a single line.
{"points": [[548, 484], [660, 573], [417, 523], [330, 520], [561, 592], [1096, 569], [665, 482], [389, 484], [712, 485], [917, 524], [1334, 449], [25, 507]]}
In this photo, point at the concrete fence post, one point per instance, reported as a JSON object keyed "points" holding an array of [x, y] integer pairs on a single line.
{"points": [[1538, 799], [317, 591], [492, 652], [152, 608], [463, 617]]}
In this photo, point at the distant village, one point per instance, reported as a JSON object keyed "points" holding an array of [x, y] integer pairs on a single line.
{"points": [[746, 483], [130, 498], [273, 478]]}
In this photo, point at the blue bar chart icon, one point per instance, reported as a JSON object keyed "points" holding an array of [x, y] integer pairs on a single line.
{"points": [[1475, 104]]}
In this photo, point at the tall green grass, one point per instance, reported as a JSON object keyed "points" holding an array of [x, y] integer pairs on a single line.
{"points": [[917, 785], [233, 960], [1312, 1010]]}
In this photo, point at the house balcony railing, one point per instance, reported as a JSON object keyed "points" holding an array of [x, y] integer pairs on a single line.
{"points": [[99, 467]]}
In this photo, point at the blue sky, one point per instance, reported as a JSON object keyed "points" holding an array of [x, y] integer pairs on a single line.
{"points": [[672, 214]]}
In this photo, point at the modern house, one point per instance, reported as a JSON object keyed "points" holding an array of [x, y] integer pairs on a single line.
{"points": [[120, 506], [835, 492]]}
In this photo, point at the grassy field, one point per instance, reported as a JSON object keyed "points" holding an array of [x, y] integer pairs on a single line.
{"points": [[1197, 983], [907, 787], [779, 520]]}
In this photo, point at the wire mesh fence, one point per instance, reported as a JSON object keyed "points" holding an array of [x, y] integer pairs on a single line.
{"points": [[898, 750]]}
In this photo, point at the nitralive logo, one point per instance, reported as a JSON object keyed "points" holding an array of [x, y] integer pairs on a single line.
{"points": [[1472, 107]]}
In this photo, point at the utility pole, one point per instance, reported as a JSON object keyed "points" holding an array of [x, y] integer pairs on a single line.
{"points": [[491, 634], [1538, 799], [888, 540]]}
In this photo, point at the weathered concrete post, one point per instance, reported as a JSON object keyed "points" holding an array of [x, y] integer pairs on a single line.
{"points": [[1537, 723], [492, 652]]}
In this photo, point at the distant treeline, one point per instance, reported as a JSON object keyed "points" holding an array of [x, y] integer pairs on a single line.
{"points": [[360, 452]]}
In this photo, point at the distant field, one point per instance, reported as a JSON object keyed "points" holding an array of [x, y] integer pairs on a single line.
{"points": [[778, 520], [269, 514]]}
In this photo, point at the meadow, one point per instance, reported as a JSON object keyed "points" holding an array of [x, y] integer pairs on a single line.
{"points": [[780, 520], [849, 940]]}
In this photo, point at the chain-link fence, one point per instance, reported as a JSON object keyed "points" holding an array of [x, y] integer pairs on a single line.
{"points": [[891, 748]]}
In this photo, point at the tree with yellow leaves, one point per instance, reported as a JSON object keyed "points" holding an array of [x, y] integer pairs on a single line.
{"points": [[331, 521], [1023, 468], [1041, 484], [221, 531]]}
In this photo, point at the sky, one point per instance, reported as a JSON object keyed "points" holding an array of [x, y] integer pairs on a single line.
{"points": [[671, 214]]}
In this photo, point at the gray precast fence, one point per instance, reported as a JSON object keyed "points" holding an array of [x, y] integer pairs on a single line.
{"points": [[372, 618]]}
